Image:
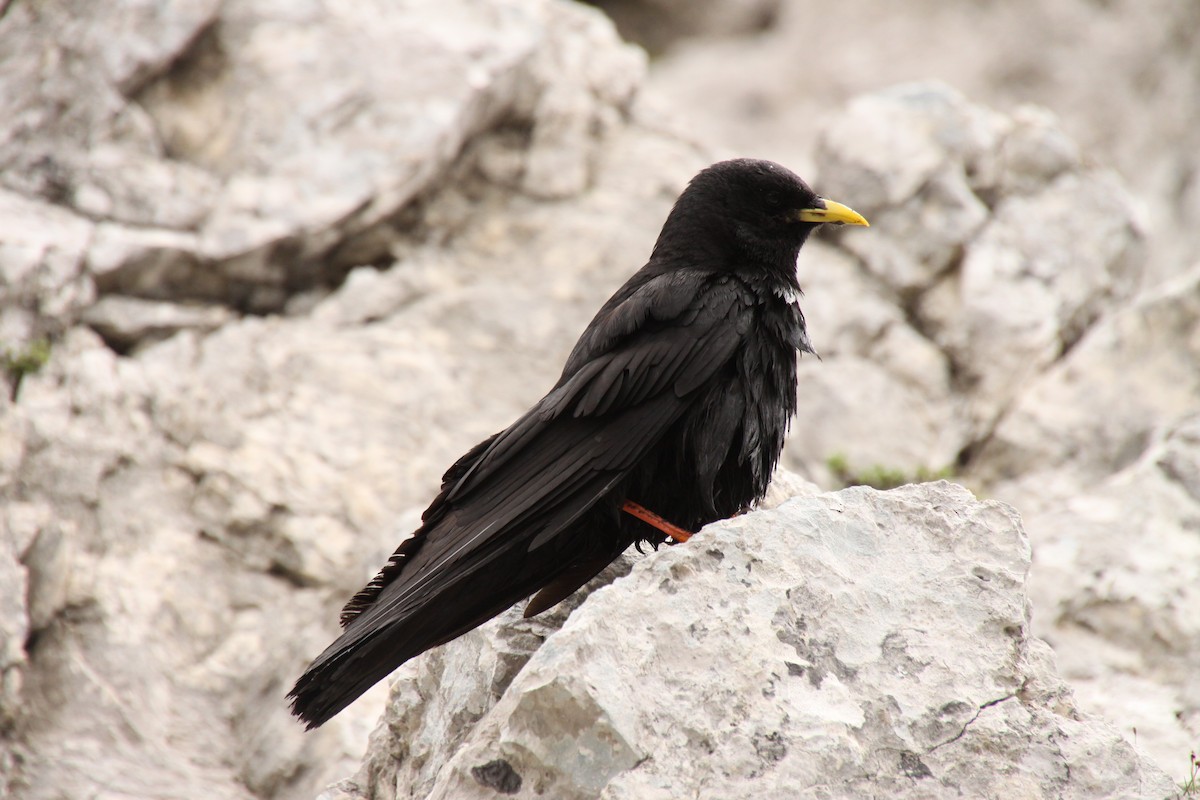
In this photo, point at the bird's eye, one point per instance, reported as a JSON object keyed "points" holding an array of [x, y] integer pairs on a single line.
{"points": [[774, 200]]}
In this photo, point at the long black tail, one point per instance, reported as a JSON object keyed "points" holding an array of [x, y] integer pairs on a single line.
{"points": [[344, 671], [464, 566], [371, 648]]}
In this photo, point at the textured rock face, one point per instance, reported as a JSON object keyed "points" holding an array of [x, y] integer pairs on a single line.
{"points": [[841, 645], [239, 152], [987, 267], [1093, 408], [432, 199], [1117, 584], [180, 524], [1003, 290], [1120, 76], [657, 24]]}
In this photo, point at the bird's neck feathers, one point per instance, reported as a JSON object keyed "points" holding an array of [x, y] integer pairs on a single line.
{"points": [[698, 236], [774, 257], [694, 235]]}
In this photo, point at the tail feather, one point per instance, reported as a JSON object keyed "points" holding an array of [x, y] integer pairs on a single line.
{"points": [[358, 660], [342, 673], [375, 644], [471, 560]]}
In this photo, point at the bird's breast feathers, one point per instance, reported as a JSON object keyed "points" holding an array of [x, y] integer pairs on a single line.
{"points": [[786, 293]]}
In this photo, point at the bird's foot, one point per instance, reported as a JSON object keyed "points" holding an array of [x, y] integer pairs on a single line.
{"points": [[654, 520]]}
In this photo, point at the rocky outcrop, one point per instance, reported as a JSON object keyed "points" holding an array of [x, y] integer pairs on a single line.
{"points": [[1116, 585], [1120, 77], [231, 153], [659, 24], [174, 561], [840, 646], [1095, 409], [291, 262], [997, 251]]}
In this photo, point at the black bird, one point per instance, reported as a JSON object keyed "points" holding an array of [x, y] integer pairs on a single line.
{"points": [[672, 408]]}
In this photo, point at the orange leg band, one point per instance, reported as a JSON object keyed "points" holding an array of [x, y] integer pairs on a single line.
{"points": [[650, 518]]}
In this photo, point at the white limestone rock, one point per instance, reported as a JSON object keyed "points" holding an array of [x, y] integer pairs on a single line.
{"points": [[886, 146], [198, 510], [876, 375], [217, 496], [1035, 151], [1089, 64], [183, 522], [1116, 582], [257, 142], [127, 321], [993, 235], [1096, 409], [43, 283], [841, 645], [852, 393], [1043, 270]]}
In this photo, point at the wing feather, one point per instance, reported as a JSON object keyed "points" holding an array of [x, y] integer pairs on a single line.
{"points": [[634, 372], [643, 366]]}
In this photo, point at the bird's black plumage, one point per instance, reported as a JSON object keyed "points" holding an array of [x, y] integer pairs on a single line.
{"points": [[677, 397]]}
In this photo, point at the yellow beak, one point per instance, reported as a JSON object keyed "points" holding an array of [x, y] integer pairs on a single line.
{"points": [[833, 212]]}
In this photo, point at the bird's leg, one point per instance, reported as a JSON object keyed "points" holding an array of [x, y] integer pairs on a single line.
{"points": [[650, 518]]}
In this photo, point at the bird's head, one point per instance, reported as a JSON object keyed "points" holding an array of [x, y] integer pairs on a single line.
{"points": [[749, 209]]}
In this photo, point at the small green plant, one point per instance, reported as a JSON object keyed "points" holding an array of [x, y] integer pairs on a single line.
{"points": [[1191, 787], [878, 476], [22, 361]]}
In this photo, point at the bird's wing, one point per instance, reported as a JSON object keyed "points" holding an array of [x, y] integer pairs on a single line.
{"points": [[635, 371], [495, 531]]}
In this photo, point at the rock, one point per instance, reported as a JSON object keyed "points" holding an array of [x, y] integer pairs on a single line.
{"points": [[182, 520], [1035, 280], [149, 263], [1044, 364], [435, 707], [453, 687], [43, 284], [250, 148], [838, 646], [16, 535], [191, 515], [885, 147], [1003, 292], [837, 394], [658, 24], [769, 94], [993, 251], [1098, 406], [1116, 581], [1034, 152], [875, 375], [126, 321]]}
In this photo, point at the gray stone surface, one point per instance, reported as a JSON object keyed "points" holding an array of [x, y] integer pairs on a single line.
{"points": [[1097, 409], [841, 645], [1119, 77], [239, 151], [187, 518], [294, 258], [1116, 584], [124, 321], [659, 24], [972, 283]]}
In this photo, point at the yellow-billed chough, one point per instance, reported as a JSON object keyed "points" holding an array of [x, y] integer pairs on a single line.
{"points": [[672, 408]]}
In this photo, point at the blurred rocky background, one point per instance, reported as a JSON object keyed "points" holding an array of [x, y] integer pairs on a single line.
{"points": [[267, 268]]}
